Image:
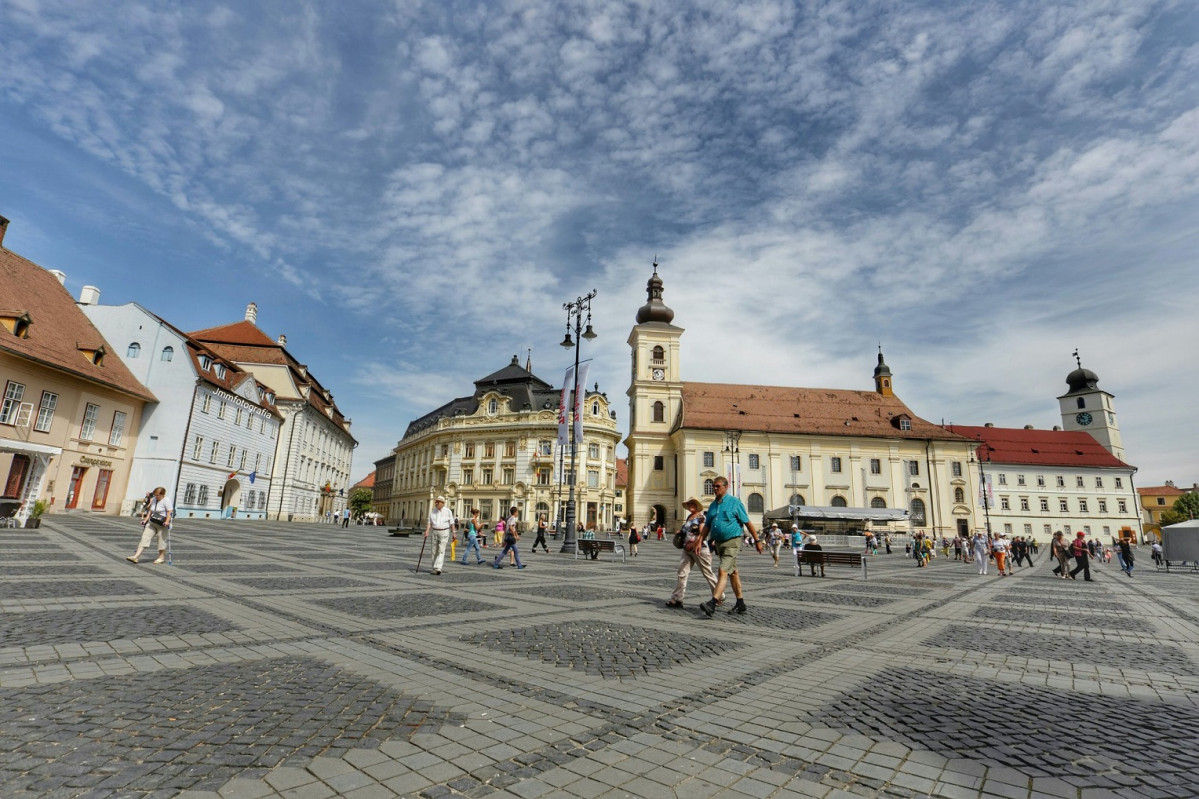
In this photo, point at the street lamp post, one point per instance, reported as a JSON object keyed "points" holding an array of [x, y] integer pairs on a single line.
{"points": [[574, 312], [982, 482]]}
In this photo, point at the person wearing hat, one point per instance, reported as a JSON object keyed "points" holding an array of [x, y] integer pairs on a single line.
{"points": [[695, 553], [1082, 560], [441, 519], [812, 545], [775, 541]]}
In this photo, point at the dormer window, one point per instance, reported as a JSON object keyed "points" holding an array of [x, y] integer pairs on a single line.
{"points": [[16, 322], [219, 369], [595, 409], [903, 422], [96, 356], [205, 362], [270, 397], [493, 406]]}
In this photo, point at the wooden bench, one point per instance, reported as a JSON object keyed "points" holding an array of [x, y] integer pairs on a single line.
{"points": [[822, 558], [594, 546]]}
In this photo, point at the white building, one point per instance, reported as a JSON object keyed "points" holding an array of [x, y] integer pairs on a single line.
{"points": [[314, 452], [211, 438]]}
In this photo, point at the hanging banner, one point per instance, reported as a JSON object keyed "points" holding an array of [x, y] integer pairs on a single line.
{"points": [[986, 496], [562, 426], [580, 390]]}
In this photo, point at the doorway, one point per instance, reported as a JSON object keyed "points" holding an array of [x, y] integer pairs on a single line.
{"points": [[77, 473]]}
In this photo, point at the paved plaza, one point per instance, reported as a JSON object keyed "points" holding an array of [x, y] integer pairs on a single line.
{"points": [[275, 659]]}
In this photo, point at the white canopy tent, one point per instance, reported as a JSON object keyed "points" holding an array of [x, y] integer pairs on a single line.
{"points": [[831, 513]]}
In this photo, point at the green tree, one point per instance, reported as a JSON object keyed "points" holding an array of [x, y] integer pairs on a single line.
{"points": [[360, 502], [1185, 507]]}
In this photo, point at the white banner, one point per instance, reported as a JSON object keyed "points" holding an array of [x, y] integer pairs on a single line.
{"points": [[986, 496], [563, 428], [580, 391]]}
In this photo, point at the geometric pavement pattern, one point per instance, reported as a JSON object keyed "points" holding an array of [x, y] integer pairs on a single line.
{"points": [[53, 627]]}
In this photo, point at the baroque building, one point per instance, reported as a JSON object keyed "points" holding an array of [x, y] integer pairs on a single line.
{"points": [[497, 448], [837, 453]]}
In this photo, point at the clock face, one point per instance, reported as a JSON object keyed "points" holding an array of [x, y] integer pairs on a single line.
{"points": [[1083, 418], [659, 374]]}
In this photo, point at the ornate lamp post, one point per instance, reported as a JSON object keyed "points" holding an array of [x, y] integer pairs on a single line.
{"points": [[982, 480], [575, 311]]}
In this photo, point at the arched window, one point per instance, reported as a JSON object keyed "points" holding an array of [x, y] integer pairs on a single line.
{"points": [[959, 495], [917, 512], [134, 350], [543, 509], [658, 354], [709, 488], [1082, 402], [595, 409], [797, 499], [838, 502], [493, 406], [168, 353], [878, 502], [659, 412], [756, 504]]}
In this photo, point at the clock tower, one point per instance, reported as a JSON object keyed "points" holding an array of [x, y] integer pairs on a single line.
{"points": [[1089, 408], [655, 402]]}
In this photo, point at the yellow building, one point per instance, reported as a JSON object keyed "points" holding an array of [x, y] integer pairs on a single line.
{"points": [[70, 409], [1156, 500], [838, 453], [498, 448]]}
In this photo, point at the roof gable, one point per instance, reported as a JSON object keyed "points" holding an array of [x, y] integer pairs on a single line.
{"points": [[244, 332]]}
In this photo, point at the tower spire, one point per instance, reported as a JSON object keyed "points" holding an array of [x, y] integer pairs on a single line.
{"points": [[882, 375]]}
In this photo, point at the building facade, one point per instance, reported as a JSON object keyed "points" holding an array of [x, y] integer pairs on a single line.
{"points": [[314, 451], [498, 448], [210, 440], [381, 491], [70, 409], [782, 446], [1156, 500]]}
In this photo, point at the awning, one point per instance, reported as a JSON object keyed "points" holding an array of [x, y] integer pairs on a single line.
{"points": [[840, 514], [12, 445]]}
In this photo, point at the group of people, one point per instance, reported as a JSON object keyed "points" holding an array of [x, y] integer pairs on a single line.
{"points": [[441, 523]]}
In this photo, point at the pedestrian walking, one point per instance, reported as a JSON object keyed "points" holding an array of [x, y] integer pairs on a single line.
{"points": [[499, 532], [441, 519], [634, 539], [156, 520], [695, 553], [1157, 553], [345, 517], [982, 551], [775, 541], [1126, 553], [542, 526], [957, 548], [887, 542], [472, 538], [1082, 557], [999, 548], [722, 529], [1061, 554], [511, 536]]}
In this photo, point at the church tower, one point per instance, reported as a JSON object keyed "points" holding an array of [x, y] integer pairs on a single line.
{"points": [[655, 402], [1089, 408], [882, 376]]}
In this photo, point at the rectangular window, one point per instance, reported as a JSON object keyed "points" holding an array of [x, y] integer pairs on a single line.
{"points": [[1099, 482], [232, 456], [544, 476], [710, 460], [189, 494], [510, 449], [202, 496], [1079, 482], [914, 468], [103, 479], [1028, 529], [1122, 505], [905, 424], [834, 464], [1119, 482], [1048, 529], [796, 463], [1082, 506], [1002, 479], [1086, 528], [118, 429], [205, 403], [1106, 530], [1044, 504], [1063, 506], [13, 393], [659, 463], [220, 410], [469, 451], [1041, 480], [257, 461], [487, 477], [198, 449], [89, 422], [509, 475], [593, 450], [593, 478], [955, 468], [45, 412], [274, 431], [1103, 506], [212, 453], [485, 508], [468, 476], [544, 447], [1019, 479], [1007, 529], [249, 421], [1023, 503], [237, 416], [876, 466], [242, 464], [445, 450], [489, 450], [755, 462], [1004, 504], [1061, 481]]}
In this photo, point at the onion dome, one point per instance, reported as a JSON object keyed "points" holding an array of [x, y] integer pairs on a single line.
{"points": [[654, 310]]}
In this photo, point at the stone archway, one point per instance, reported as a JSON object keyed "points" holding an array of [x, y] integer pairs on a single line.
{"points": [[230, 498]]}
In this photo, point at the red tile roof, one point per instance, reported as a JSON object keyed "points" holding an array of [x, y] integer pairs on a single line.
{"points": [[366, 482], [622, 473], [58, 330], [243, 332], [815, 411], [1161, 491], [1039, 447]]}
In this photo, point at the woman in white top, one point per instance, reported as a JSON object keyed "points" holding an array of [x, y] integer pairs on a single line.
{"points": [[155, 519]]}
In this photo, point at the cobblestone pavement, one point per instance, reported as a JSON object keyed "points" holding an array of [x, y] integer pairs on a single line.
{"points": [[308, 661]]}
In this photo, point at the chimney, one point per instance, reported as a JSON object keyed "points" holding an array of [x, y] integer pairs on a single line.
{"points": [[1170, 483], [989, 424], [3, 229], [252, 312], [282, 340], [89, 295], [1029, 427], [1057, 428], [61, 277]]}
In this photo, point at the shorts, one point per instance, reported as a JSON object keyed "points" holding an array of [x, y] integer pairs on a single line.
{"points": [[726, 553]]}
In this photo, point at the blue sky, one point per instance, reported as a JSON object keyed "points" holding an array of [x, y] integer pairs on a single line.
{"points": [[411, 190]]}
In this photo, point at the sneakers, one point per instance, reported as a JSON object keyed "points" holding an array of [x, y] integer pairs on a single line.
{"points": [[708, 607], [739, 608], [521, 566]]}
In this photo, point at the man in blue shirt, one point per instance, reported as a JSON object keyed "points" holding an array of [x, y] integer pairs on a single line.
{"points": [[722, 529]]}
